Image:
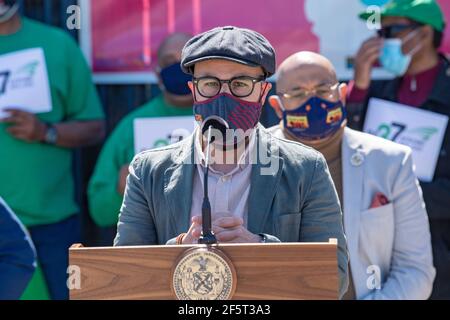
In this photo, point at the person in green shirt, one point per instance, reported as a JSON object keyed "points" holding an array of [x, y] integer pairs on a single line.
{"points": [[107, 185], [36, 149]]}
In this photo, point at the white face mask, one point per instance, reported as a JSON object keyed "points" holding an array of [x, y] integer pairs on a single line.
{"points": [[7, 11]]}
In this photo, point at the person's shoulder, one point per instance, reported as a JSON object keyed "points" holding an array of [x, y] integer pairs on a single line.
{"points": [[376, 145], [48, 32]]}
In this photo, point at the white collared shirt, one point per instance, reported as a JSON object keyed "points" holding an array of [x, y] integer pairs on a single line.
{"points": [[228, 192]]}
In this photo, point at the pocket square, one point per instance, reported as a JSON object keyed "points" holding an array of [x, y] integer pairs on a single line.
{"points": [[379, 200]]}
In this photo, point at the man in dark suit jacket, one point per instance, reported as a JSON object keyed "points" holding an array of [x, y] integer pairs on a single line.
{"points": [[17, 255]]}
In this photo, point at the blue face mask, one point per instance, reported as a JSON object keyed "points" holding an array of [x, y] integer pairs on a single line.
{"points": [[175, 80], [392, 57], [315, 119]]}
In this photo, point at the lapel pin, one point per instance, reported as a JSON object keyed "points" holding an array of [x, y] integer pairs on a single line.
{"points": [[357, 159]]}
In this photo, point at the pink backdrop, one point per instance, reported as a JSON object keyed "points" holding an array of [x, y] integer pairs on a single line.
{"points": [[126, 34]]}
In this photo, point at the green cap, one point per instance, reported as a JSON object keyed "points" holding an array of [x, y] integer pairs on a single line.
{"points": [[423, 11]]}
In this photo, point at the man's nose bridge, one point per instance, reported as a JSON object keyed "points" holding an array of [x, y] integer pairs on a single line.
{"points": [[225, 85], [310, 93]]}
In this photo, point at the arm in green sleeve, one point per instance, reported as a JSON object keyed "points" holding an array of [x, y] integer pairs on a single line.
{"points": [[104, 199]]}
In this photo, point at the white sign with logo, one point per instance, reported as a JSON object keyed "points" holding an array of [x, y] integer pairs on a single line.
{"points": [[151, 133], [423, 131], [24, 82]]}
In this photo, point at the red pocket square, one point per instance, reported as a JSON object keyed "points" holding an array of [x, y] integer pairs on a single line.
{"points": [[379, 200]]}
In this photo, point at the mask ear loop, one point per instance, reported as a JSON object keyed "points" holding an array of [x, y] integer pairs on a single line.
{"points": [[195, 92], [263, 93], [408, 38], [161, 85]]}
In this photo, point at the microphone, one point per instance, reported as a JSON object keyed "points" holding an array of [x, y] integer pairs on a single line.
{"points": [[216, 123], [207, 237]]}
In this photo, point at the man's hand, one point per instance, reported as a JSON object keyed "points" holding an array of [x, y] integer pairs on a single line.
{"points": [[232, 230], [226, 230], [194, 232], [121, 184], [366, 57], [25, 126]]}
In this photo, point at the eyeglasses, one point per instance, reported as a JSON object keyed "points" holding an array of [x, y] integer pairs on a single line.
{"points": [[241, 87], [326, 92], [394, 30]]}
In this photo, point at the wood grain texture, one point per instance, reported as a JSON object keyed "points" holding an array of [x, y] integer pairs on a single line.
{"points": [[287, 271]]}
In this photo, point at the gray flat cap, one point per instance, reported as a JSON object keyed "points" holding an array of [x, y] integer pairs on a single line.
{"points": [[230, 43]]}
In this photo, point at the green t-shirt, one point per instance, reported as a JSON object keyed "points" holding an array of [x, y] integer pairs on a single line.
{"points": [[36, 179], [104, 200]]}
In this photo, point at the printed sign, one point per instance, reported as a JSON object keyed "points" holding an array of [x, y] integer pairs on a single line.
{"points": [[151, 133], [24, 82], [421, 130]]}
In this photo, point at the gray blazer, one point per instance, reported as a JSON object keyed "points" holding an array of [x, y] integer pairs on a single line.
{"points": [[293, 201], [395, 238]]}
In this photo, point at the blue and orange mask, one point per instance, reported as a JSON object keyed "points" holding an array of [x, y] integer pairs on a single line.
{"points": [[315, 119]]}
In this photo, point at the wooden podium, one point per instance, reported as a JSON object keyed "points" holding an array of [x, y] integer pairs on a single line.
{"points": [[287, 271]]}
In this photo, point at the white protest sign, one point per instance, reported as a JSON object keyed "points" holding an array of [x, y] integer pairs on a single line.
{"points": [[423, 131], [150, 133], [24, 82]]}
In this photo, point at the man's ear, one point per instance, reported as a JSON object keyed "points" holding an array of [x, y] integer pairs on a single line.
{"points": [[191, 86], [428, 34], [277, 105], [343, 88], [267, 87]]}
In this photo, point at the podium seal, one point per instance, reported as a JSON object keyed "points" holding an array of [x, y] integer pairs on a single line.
{"points": [[203, 274]]}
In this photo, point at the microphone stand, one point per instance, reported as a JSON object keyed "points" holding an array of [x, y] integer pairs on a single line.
{"points": [[207, 236]]}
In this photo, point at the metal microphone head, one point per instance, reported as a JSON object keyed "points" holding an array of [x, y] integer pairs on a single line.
{"points": [[216, 123]]}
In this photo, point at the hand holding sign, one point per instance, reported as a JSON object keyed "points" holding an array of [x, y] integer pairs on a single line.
{"points": [[25, 126], [24, 82]]}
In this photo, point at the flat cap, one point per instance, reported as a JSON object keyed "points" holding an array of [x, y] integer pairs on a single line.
{"points": [[230, 43]]}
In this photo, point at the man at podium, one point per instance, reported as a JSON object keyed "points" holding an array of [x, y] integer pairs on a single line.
{"points": [[261, 188]]}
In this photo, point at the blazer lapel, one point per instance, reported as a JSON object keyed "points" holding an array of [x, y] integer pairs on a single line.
{"points": [[178, 185], [264, 183], [353, 158]]}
